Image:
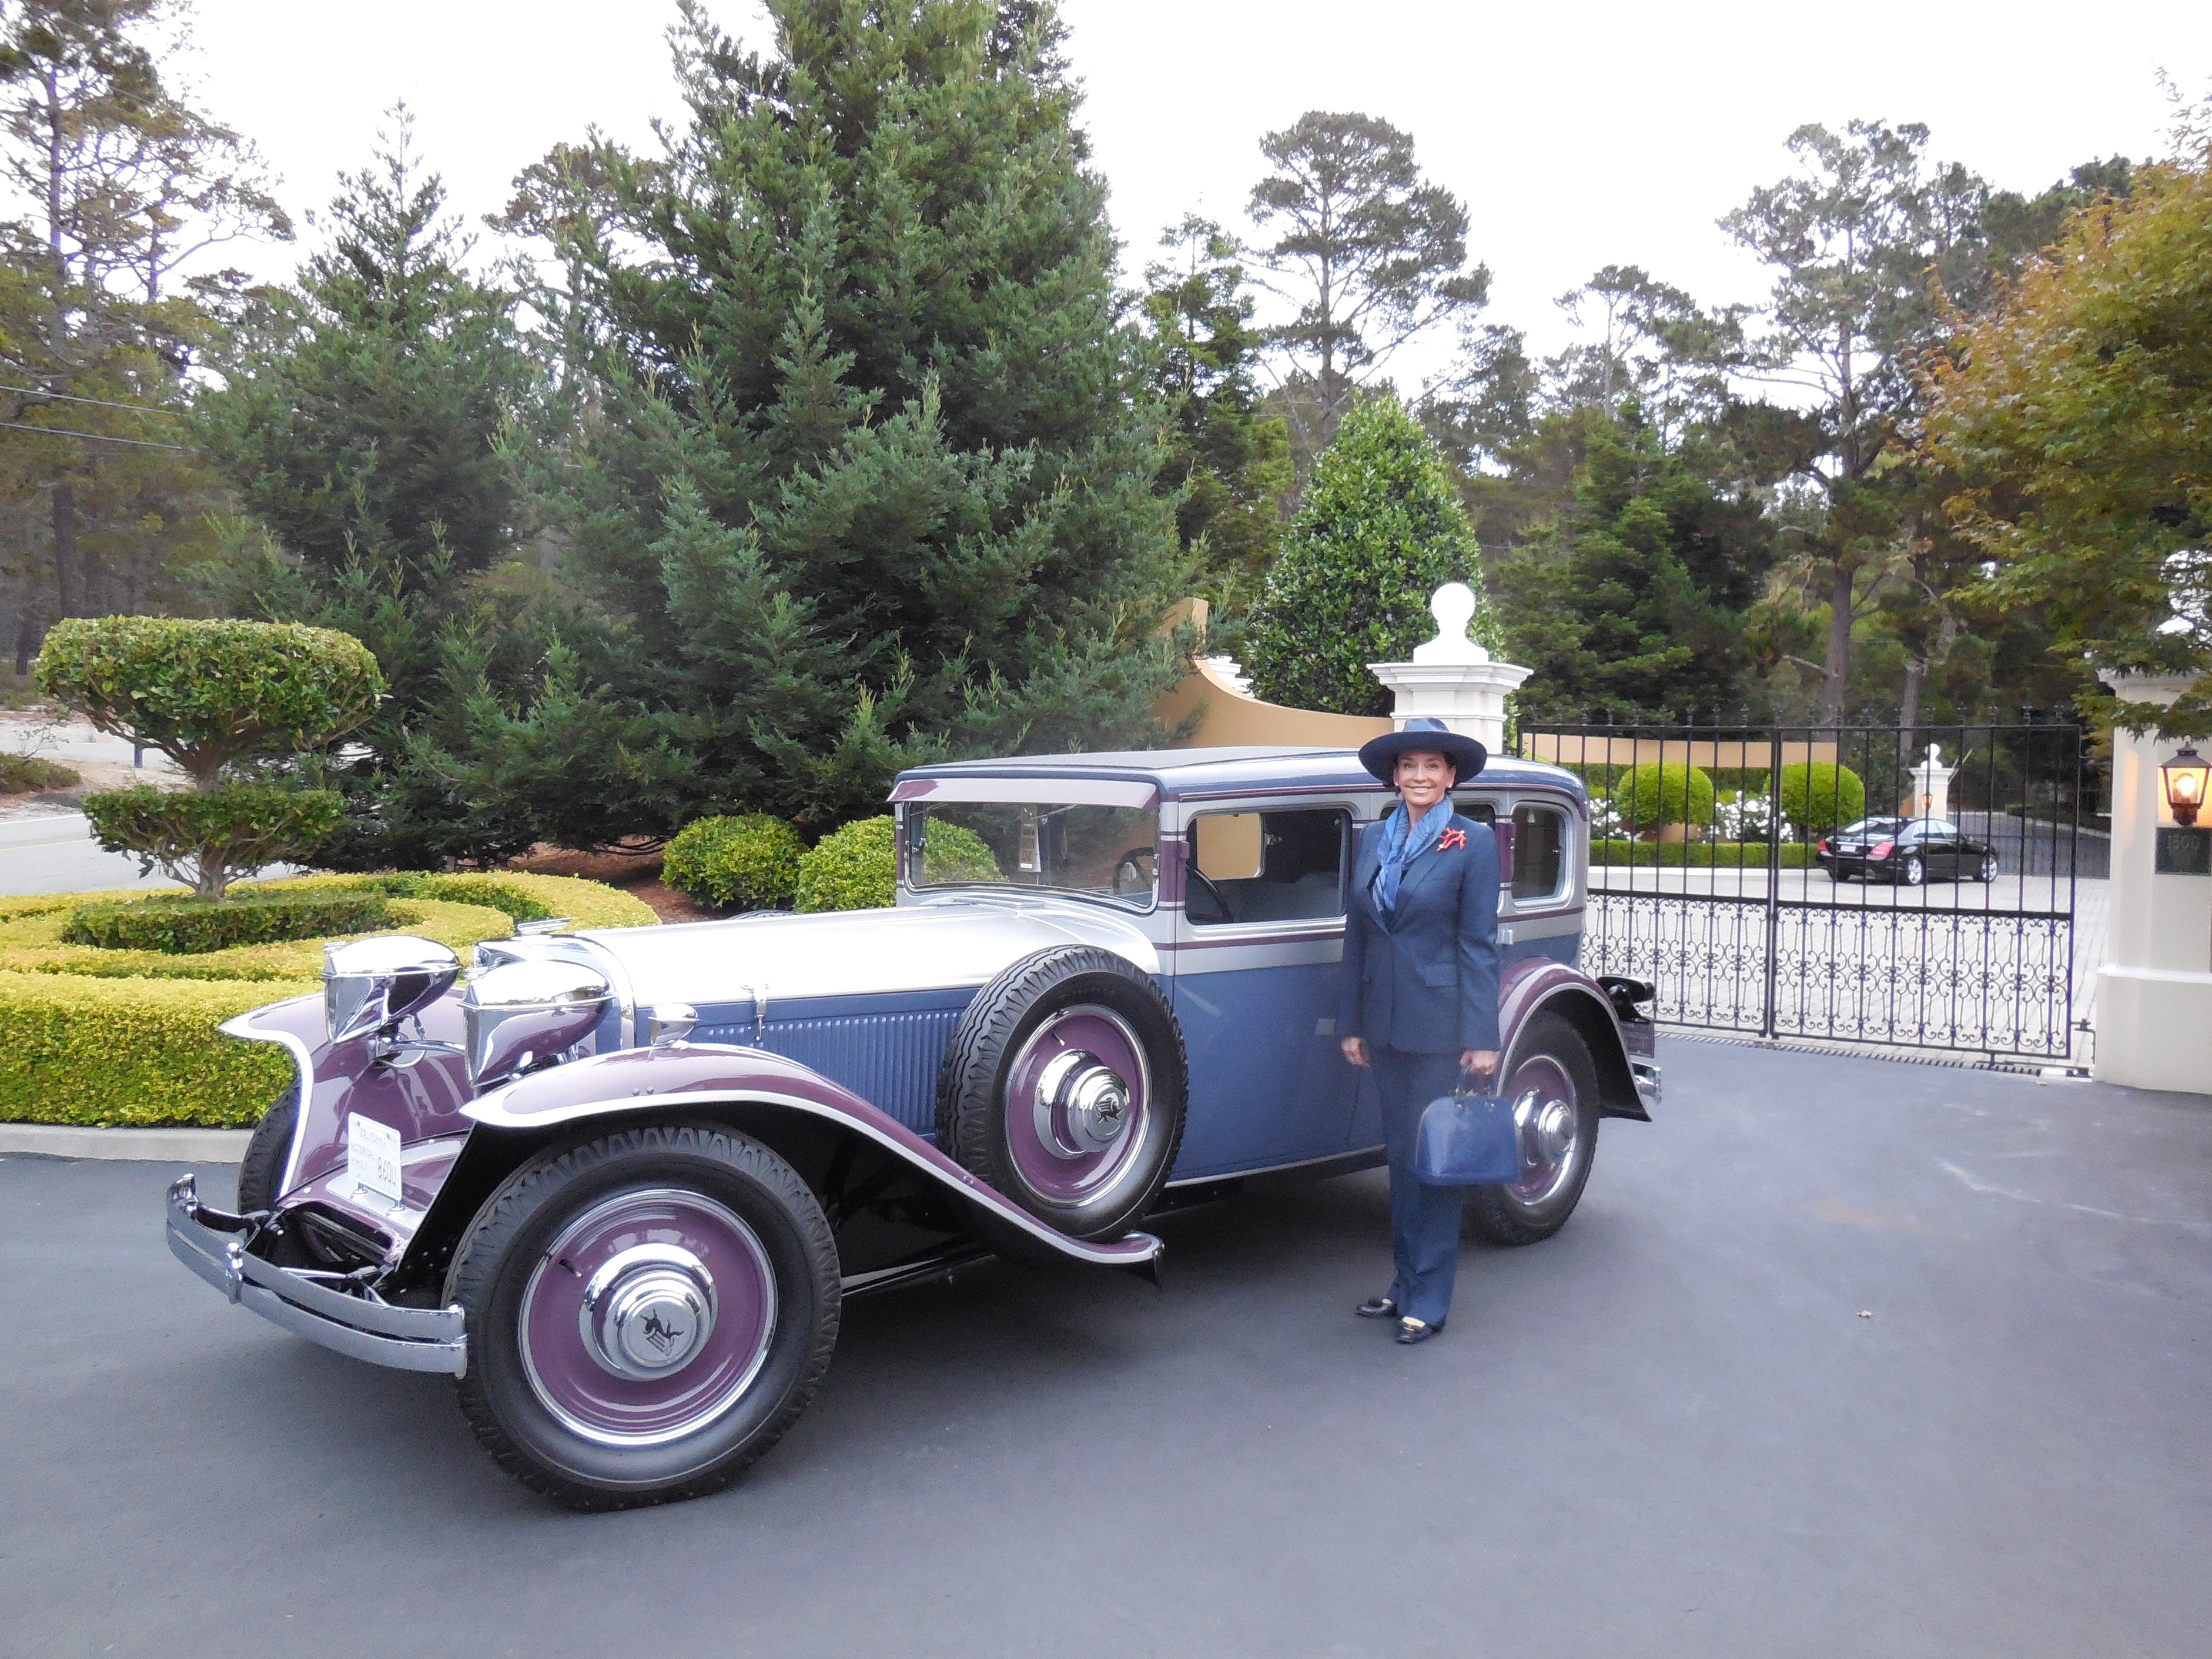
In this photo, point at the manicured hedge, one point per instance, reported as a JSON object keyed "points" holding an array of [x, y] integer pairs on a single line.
{"points": [[748, 863], [1821, 797], [856, 868], [1697, 855], [98, 1036], [107, 1051], [193, 927], [1668, 792]]}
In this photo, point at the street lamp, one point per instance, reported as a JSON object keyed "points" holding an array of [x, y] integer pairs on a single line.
{"points": [[2183, 779]]}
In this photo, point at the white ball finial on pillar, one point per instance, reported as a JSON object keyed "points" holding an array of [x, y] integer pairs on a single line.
{"points": [[1451, 678]]}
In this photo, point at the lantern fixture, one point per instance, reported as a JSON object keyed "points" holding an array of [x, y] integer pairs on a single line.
{"points": [[2183, 779]]}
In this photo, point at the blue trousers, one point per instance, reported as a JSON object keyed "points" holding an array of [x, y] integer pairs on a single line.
{"points": [[1424, 1219]]}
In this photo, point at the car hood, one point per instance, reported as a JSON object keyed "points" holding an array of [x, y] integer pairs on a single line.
{"points": [[940, 944]]}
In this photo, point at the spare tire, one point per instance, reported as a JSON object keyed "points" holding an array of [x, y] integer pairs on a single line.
{"points": [[1064, 1088]]}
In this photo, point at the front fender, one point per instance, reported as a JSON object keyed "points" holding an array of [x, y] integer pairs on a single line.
{"points": [[698, 1078], [1538, 985]]}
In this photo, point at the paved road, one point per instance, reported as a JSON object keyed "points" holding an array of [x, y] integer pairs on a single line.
{"points": [[1666, 1431], [55, 853]]}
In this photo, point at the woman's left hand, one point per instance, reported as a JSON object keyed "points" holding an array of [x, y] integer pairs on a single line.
{"points": [[1481, 1061]]}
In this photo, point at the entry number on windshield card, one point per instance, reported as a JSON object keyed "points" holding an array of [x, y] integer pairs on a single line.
{"points": [[372, 1155]]}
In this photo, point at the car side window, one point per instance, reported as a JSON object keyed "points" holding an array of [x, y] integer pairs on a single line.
{"points": [[1540, 851], [1267, 866]]}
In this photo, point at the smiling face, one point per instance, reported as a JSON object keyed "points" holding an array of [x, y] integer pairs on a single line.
{"points": [[1424, 778]]}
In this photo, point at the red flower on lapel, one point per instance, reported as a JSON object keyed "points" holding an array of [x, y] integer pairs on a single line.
{"points": [[1451, 840]]}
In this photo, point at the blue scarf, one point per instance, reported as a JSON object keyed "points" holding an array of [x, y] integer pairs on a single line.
{"points": [[1402, 844]]}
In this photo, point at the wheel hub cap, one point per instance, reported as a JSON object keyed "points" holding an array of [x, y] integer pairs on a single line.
{"points": [[647, 1311], [1082, 1105], [1551, 1130]]}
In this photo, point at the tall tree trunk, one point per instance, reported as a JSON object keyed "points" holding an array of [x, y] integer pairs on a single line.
{"points": [[1838, 668], [68, 589], [27, 639], [1908, 708]]}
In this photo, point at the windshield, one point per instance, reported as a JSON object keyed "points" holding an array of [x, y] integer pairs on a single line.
{"points": [[1111, 852]]}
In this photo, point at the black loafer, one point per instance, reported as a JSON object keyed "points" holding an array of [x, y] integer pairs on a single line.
{"points": [[1377, 1306], [1411, 1331]]}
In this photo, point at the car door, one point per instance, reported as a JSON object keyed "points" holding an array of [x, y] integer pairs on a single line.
{"points": [[1259, 949]]}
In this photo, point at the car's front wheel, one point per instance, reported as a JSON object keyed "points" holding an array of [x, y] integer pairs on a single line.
{"points": [[268, 1150], [1553, 1085], [1988, 869], [647, 1312]]}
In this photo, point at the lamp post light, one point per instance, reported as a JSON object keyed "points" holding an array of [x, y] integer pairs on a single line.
{"points": [[2183, 779]]}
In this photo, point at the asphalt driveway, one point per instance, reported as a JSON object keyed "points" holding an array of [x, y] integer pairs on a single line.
{"points": [[1669, 1430]]}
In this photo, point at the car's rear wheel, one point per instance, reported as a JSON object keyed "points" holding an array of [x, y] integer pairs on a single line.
{"points": [[261, 1171], [1064, 1088], [1552, 1084], [1913, 872], [647, 1312]]}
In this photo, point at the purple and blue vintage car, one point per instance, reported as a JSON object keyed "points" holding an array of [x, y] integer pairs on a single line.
{"points": [[619, 1184]]}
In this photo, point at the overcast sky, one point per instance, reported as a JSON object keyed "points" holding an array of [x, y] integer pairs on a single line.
{"points": [[1577, 135]]}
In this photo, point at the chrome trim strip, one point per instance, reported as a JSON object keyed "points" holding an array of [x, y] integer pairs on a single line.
{"points": [[1274, 1169], [303, 1057], [490, 1109]]}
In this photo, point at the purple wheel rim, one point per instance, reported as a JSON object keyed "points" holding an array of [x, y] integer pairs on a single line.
{"points": [[580, 1386], [1046, 1170], [1544, 1104]]}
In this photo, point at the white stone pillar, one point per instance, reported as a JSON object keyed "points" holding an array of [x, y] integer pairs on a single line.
{"points": [[1931, 787], [2154, 991], [1451, 678]]}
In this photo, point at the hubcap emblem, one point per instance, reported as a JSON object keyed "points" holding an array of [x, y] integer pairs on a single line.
{"points": [[647, 1311], [1082, 1105]]}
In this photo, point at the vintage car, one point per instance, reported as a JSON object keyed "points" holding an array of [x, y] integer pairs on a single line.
{"points": [[619, 1183]]}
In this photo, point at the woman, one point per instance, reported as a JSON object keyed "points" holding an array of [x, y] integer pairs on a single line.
{"points": [[1419, 999]]}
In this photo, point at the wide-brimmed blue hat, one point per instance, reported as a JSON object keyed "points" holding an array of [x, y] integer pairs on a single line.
{"points": [[1380, 755]]}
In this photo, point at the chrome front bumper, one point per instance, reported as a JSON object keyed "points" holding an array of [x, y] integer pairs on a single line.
{"points": [[325, 1307], [1646, 1073]]}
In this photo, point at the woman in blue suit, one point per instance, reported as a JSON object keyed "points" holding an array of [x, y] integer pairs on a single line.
{"points": [[1419, 1001]]}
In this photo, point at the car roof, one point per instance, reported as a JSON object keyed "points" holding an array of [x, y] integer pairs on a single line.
{"points": [[1185, 774]]}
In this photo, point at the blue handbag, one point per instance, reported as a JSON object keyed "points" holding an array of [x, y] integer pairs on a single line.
{"points": [[1466, 1140]]}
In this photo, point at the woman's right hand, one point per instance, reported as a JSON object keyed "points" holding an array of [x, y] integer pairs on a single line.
{"points": [[1355, 1050]]}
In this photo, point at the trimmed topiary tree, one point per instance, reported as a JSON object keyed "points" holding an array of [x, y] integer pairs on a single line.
{"points": [[1664, 792], [735, 863], [222, 699], [1820, 797], [1382, 527]]}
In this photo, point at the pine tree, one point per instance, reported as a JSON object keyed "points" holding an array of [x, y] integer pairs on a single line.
{"points": [[863, 469], [1382, 527], [1635, 596], [363, 424]]}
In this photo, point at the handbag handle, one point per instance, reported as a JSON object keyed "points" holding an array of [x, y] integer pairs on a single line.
{"points": [[1461, 1091]]}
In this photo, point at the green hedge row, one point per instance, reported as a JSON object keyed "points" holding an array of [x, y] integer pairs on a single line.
{"points": [[1697, 855], [193, 927]]}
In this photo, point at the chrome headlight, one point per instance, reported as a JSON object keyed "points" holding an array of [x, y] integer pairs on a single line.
{"points": [[520, 1012], [374, 983]]}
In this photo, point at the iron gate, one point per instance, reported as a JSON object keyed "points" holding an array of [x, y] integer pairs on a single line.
{"points": [[1836, 882]]}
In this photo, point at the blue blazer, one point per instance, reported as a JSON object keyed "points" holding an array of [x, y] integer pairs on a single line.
{"points": [[1424, 979]]}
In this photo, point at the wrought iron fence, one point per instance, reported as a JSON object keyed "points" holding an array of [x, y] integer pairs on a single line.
{"points": [[1843, 882]]}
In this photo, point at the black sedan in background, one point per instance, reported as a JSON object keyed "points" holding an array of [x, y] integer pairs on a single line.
{"points": [[1906, 851]]}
